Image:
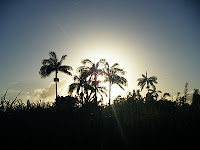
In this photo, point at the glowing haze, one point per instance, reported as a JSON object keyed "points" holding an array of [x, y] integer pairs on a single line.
{"points": [[161, 37]]}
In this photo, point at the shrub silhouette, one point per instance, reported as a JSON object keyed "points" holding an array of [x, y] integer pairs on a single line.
{"points": [[196, 100], [128, 123], [66, 103]]}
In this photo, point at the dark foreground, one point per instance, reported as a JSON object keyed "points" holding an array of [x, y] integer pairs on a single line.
{"points": [[125, 125]]}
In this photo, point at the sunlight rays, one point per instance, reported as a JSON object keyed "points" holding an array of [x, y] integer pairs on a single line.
{"points": [[119, 125]]}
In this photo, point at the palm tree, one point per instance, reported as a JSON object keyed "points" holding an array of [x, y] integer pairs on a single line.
{"points": [[91, 71], [53, 65], [165, 95], [148, 81], [154, 93], [114, 76], [81, 87]]}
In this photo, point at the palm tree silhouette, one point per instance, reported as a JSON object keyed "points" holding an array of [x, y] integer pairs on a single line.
{"points": [[165, 95], [81, 87], [91, 71], [154, 93], [114, 76], [52, 64], [148, 81]]}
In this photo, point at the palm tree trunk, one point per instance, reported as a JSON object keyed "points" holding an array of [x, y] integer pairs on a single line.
{"points": [[56, 85], [82, 95], [95, 86], [56, 90], [95, 100], [110, 84]]}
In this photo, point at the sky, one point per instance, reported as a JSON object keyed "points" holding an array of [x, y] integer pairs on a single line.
{"points": [[158, 36]]}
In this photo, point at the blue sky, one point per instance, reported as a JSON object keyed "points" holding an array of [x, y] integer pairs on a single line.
{"points": [[158, 36]]}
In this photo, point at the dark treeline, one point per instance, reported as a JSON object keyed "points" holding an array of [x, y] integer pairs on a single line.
{"points": [[127, 124], [82, 121]]}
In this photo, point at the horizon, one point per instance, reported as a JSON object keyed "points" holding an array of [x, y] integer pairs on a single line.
{"points": [[160, 37]]}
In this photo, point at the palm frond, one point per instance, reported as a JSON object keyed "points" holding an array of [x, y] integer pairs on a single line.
{"points": [[120, 86], [124, 81], [72, 87], [76, 78], [100, 63], [140, 79], [150, 90], [154, 91], [102, 90], [153, 78], [65, 69], [82, 69], [53, 56], [87, 61], [104, 62], [62, 58], [141, 83], [48, 62], [103, 73], [118, 71], [166, 94], [144, 76], [88, 87], [118, 79], [115, 65], [46, 70], [154, 88]]}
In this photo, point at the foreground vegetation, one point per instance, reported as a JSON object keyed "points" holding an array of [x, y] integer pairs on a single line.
{"points": [[131, 122]]}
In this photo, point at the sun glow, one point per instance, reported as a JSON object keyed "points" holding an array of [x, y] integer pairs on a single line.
{"points": [[112, 50], [115, 91], [101, 78]]}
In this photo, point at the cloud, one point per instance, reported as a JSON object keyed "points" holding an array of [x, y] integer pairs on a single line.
{"points": [[48, 94]]}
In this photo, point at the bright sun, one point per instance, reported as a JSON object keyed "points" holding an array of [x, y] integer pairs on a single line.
{"points": [[115, 90], [101, 78]]}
